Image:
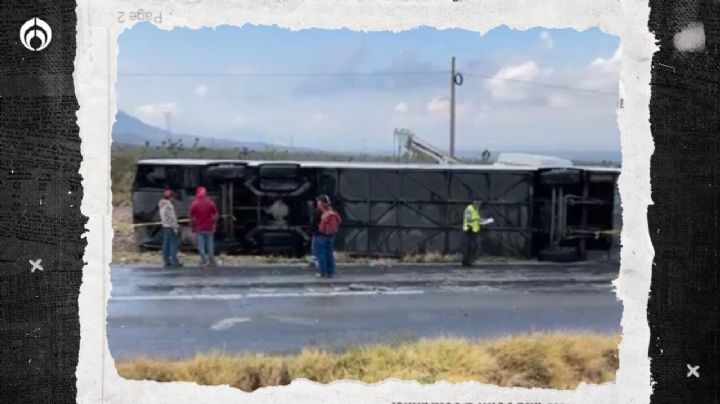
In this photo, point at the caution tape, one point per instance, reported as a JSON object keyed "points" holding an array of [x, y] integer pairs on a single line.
{"points": [[179, 221]]}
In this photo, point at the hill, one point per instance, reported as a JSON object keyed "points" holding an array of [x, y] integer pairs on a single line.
{"points": [[129, 130]]}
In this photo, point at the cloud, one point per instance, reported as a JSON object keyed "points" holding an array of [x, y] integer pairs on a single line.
{"points": [[155, 113], [502, 86], [611, 64], [408, 70], [255, 97], [601, 74], [401, 108], [438, 104], [524, 71], [318, 117], [201, 90], [529, 85], [562, 100], [547, 39]]}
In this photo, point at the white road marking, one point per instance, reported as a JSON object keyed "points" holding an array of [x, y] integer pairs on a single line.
{"points": [[226, 323], [266, 295]]}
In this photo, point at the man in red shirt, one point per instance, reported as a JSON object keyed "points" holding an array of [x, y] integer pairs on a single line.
{"points": [[324, 239], [203, 215]]}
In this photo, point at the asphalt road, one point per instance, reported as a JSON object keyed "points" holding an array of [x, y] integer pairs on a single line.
{"points": [[176, 313]]}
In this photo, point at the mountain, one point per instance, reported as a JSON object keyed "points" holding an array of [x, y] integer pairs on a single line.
{"points": [[130, 130]]}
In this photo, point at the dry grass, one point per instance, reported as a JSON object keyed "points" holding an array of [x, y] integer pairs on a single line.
{"points": [[556, 360]]}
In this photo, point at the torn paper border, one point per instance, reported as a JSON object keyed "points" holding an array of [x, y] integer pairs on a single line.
{"points": [[96, 70]]}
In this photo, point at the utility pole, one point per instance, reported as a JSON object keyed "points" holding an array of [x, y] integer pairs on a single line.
{"points": [[456, 79], [168, 115]]}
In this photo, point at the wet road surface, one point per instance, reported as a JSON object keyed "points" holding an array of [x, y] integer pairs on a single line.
{"points": [[176, 313]]}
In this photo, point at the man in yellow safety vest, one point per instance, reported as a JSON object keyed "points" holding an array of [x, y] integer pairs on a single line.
{"points": [[471, 229]]}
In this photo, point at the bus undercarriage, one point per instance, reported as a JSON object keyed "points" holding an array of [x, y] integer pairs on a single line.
{"points": [[560, 214]]}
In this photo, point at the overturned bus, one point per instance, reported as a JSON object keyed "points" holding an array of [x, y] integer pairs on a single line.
{"points": [[389, 209]]}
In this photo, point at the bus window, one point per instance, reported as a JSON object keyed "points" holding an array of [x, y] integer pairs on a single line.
{"points": [[161, 177], [192, 178], [174, 177], [150, 177]]}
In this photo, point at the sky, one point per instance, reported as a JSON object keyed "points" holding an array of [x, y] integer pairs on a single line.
{"points": [[342, 90]]}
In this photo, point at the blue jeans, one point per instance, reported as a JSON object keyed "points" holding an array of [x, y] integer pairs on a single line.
{"points": [[169, 247], [315, 248], [323, 250], [206, 247]]}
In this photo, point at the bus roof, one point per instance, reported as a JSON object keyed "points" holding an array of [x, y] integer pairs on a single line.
{"points": [[363, 165]]}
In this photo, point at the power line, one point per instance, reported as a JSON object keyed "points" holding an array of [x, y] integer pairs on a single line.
{"points": [[326, 74], [540, 84], [358, 74]]}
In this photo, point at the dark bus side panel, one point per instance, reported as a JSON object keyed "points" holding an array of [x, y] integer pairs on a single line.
{"points": [[386, 212]]}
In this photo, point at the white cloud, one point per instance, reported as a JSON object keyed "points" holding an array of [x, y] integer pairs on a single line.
{"points": [[502, 87], [318, 117], [201, 90], [240, 118], [547, 39], [401, 108], [155, 113], [601, 74], [438, 104], [524, 71], [611, 64], [508, 91], [562, 99]]}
